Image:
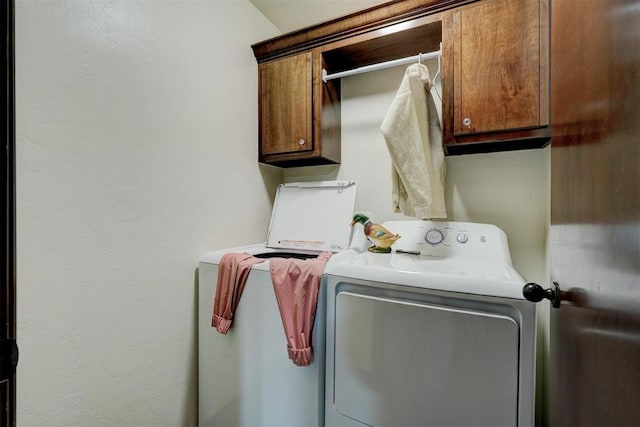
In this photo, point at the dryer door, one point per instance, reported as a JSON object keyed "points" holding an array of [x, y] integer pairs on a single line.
{"points": [[400, 362]]}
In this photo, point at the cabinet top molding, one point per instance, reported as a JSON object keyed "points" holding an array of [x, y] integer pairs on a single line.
{"points": [[350, 25]]}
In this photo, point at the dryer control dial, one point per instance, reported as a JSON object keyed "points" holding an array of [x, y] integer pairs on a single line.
{"points": [[462, 238], [434, 237]]}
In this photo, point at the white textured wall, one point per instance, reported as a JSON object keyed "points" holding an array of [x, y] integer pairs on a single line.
{"points": [[508, 189], [137, 136]]}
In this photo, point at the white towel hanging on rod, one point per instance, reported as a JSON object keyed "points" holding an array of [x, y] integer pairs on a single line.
{"points": [[382, 65]]}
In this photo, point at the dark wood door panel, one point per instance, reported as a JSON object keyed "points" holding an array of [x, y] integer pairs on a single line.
{"points": [[8, 194], [594, 375]]}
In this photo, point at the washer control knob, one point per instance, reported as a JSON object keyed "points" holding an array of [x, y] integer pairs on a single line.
{"points": [[434, 237], [462, 238]]}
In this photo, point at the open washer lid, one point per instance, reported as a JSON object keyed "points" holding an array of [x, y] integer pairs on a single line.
{"points": [[312, 216]]}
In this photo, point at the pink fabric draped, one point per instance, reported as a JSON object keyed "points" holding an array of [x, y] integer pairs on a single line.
{"points": [[296, 284], [233, 272]]}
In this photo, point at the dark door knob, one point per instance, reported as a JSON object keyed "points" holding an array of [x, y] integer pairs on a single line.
{"points": [[8, 358], [536, 293]]}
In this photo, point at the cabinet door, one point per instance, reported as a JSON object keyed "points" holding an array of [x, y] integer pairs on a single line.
{"points": [[285, 105], [497, 54]]}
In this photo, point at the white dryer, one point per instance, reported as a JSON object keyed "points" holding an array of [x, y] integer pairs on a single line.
{"points": [[245, 376], [437, 333]]}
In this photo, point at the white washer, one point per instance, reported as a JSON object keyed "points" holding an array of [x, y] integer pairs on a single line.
{"points": [[245, 376], [439, 335]]}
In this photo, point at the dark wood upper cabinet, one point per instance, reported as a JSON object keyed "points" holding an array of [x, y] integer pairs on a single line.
{"points": [[496, 67], [494, 73], [299, 114], [285, 105], [500, 75]]}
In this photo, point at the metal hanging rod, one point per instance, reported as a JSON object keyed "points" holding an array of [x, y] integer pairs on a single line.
{"points": [[382, 65]]}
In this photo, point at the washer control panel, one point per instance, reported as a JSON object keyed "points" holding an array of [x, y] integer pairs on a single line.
{"points": [[448, 238]]}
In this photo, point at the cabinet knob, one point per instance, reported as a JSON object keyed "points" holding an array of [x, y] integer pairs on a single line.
{"points": [[467, 122], [302, 142]]}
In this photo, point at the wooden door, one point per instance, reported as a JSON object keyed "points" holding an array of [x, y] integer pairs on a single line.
{"points": [[8, 349], [594, 377], [285, 105], [497, 66]]}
